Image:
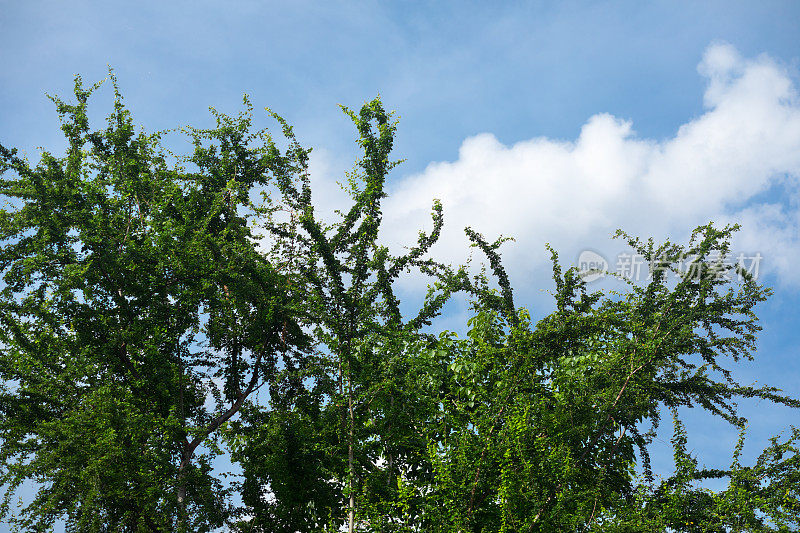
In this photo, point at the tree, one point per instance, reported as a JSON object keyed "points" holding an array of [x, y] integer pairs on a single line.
{"points": [[356, 419], [138, 316], [543, 423], [141, 312], [520, 426]]}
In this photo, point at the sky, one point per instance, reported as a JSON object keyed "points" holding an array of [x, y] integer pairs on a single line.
{"points": [[549, 122]]}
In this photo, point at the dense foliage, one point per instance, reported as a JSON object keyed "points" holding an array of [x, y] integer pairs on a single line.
{"points": [[157, 312]]}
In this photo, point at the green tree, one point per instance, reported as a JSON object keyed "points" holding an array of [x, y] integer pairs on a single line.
{"points": [[141, 312], [137, 317], [357, 418], [541, 429]]}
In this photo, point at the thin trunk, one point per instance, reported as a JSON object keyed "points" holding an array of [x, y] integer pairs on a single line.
{"points": [[187, 457], [341, 395], [190, 447], [351, 512], [181, 479], [390, 458]]}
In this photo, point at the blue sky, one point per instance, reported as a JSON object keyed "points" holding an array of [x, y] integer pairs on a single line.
{"points": [[551, 122]]}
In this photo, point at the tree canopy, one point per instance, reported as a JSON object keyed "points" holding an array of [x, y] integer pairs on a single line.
{"points": [[158, 311]]}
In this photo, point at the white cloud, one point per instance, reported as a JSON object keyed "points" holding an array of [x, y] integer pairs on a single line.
{"points": [[575, 194]]}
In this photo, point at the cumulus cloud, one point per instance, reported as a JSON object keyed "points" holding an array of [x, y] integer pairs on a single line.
{"points": [[739, 161]]}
